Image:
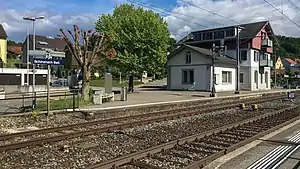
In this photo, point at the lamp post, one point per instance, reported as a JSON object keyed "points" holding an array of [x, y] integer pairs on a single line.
{"points": [[33, 19]]}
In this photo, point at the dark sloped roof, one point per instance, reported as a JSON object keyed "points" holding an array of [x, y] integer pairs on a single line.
{"points": [[250, 29], [57, 44], [205, 52], [3, 34]]}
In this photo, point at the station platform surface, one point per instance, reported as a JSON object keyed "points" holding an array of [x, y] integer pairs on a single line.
{"points": [[260, 151], [150, 97]]}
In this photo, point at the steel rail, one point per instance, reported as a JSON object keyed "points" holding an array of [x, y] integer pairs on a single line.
{"points": [[43, 140], [205, 108], [130, 158]]}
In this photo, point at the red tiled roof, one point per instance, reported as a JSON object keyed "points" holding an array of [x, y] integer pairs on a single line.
{"points": [[15, 49], [291, 61]]}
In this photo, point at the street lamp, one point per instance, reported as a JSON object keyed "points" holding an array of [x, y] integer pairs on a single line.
{"points": [[33, 19]]}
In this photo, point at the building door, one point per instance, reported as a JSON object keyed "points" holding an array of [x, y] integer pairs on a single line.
{"points": [[266, 79], [256, 78]]}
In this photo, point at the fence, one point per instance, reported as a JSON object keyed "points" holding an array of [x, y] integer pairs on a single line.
{"points": [[11, 103]]}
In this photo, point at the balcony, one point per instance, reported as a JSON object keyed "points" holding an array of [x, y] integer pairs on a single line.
{"points": [[267, 43], [266, 63]]}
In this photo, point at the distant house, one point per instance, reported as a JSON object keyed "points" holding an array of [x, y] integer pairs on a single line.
{"points": [[256, 49], [291, 65], [55, 45], [279, 67], [15, 50], [3, 45]]}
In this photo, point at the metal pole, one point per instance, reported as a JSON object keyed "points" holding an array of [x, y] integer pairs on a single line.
{"points": [[238, 62], [48, 91], [33, 67], [27, 57], [275, 76], [213, 90]]}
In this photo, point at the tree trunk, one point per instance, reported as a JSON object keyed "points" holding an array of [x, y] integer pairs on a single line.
{"points": [[86, 83]]}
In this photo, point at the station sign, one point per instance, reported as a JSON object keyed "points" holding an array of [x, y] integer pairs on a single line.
{"points": [[48, 61]]}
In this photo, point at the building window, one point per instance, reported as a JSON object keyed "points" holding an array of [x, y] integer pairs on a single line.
{"points": [[219, 35], [255, 56], [230, 32], [188, 57], [226, 77], [207, 36], [263, 35], [197, 36], [263, 56], [243, 55], [261, 78], [188, 76], [241, 78], [216, 78]]}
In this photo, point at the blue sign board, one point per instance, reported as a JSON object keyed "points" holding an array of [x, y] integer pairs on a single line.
{"points": [[48, 61]]}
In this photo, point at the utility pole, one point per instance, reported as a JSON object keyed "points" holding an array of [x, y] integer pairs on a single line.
{"points": [[213, 90], [27, 57], [213, 55], [48, 55], [237, 90], [275, 70], [33, 68]]}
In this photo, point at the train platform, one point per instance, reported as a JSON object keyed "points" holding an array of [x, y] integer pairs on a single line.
{"points": [[150, 97], [279, 149]]}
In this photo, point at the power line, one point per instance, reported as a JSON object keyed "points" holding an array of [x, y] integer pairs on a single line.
{"points": [[294, 5], [224, 17], [163, 11], [282, 13]]}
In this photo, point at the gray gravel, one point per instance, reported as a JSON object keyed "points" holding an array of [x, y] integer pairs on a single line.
{"points": [[81, 152]]}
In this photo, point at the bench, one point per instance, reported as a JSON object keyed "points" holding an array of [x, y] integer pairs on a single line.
{"points": [[100, 96], [108, 97]]}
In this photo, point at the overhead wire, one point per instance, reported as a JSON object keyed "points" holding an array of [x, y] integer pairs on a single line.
{"points": [[163, 11], [294, 5], [214, 13], [282, 13]]}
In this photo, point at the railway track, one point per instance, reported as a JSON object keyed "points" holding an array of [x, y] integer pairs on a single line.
{"points": [[92, 127], [198, 150]]}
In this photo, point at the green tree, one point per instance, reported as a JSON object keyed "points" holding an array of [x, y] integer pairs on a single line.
{"points": [[140, 37], [172, 47]]}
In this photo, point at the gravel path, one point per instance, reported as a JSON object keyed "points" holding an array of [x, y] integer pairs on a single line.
{"points": [[80, 152]]}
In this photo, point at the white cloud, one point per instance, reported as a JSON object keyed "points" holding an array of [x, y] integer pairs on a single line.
{"points": [[242, 11], [16, 27]]}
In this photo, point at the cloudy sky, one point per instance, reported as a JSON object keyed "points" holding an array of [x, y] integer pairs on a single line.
{"points": [[182, 16]]}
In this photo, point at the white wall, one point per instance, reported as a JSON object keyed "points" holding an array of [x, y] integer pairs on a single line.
{"points": [[200, 78], [22, 72], [179, 59], [261, 85], [221, 87], [198, 63]]}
